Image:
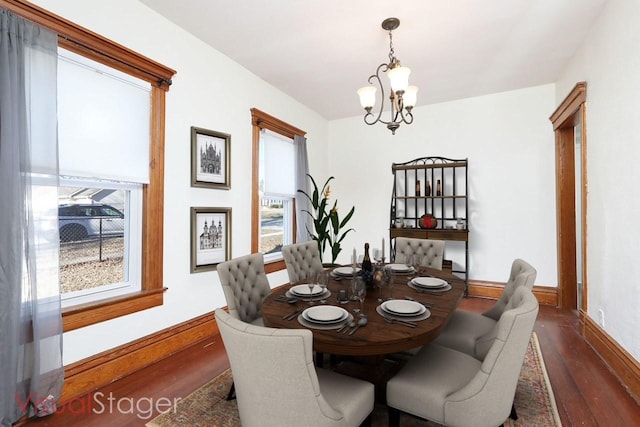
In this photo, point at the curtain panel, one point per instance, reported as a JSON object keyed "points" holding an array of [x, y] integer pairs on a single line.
{"points": [[31, 333], [303, 221]]}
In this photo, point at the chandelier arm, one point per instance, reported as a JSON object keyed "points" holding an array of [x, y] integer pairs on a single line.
{"points": [[376, 77], [406, 118], [396, 106]]}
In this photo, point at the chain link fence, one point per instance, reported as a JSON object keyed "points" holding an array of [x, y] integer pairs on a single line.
{"points": [[90, 263]]}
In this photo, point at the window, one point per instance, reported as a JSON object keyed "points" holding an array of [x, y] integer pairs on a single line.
{"points": [[273, 219], [98, 48], [100, 246], [277, 193], [105, 165]]}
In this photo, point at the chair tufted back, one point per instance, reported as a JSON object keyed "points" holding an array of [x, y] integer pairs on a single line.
{"points": [[245, 285], [489, 395], [522, 274], [274, 375], [431, 252], [302, 260]]}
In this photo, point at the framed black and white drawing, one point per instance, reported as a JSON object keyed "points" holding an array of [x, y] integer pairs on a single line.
{"points": [[210, 159], [210, 237]]}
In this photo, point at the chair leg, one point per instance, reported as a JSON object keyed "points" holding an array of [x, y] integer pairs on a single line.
{"points": [[394, 417], [319, 359], [232, 392], [513, 414], [333, 360]]}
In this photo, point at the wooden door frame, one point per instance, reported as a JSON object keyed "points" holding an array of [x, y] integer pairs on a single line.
{"points": [[570, 112]]}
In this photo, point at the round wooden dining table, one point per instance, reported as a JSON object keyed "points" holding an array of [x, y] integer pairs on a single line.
{"points": [[377, 337]]}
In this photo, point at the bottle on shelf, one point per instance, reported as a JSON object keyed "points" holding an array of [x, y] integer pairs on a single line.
{"points": [[418, 188], [438, 188], [427, 191]]}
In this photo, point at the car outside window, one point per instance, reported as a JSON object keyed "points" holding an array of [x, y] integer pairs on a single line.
{"points": [[99, 240]]}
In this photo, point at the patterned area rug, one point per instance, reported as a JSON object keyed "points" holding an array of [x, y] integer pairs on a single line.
{"points": [[208, 407]]}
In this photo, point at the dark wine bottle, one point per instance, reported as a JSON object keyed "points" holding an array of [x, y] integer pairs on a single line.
{"points": [[367, 267], [438, 188], [418, 188], [427, 191]]}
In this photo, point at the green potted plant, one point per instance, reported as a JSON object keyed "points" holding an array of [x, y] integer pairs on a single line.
{"points": [[327, 225]]}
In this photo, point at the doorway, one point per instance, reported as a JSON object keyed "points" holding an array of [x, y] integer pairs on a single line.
{"points": [[569, 125]]}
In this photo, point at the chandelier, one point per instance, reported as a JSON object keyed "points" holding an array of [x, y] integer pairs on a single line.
{"points": [[402, 96]]}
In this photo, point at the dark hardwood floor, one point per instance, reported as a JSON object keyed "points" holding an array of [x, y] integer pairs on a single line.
{"points": [[586, 392]]}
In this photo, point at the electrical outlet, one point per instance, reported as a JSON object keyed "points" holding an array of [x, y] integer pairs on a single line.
{"points": [[601, 317]]}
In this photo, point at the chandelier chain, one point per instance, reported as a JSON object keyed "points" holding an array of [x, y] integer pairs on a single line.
{"points": [[391, 51]]}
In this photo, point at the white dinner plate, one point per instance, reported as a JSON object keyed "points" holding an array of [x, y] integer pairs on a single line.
{"points": [[388, 315], [323, 326], [435, 291], [304, 291], [399, 268], [326, 294], [345, 271], [429, 282], [325, 314], [403, 307]]}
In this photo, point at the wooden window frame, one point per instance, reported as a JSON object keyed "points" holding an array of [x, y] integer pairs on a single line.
{"points": [[91, 45], [261, 120]]}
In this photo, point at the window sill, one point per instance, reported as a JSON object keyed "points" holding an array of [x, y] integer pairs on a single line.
{"points": [[273, 266], [87, 314]]}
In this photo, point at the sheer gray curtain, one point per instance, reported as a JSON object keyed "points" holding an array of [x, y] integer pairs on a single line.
{"points": [[302, 183], [31, 331]]}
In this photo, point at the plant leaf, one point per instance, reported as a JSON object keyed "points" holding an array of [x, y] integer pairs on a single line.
{"points": [[344, 234], [348, 217]]}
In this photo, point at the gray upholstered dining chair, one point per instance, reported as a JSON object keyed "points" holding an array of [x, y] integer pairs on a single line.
{"points": [[522, 274], [454, 389], [431, 252], [277, 383], [302, 260], [245, 285], [471, 332]]}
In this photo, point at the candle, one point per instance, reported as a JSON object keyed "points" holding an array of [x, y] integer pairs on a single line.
{"points": [[354, 258], [383, 248]]}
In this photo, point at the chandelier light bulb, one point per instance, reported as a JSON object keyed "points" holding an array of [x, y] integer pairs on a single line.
{"points": [[410, 97], [367, 96], [399, 78]]}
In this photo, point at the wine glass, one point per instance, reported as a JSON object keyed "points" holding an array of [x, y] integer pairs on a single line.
{"points": [[311, 285], [377, 255], [416, 262], [322, 278], [389, 280], [359, 289]]}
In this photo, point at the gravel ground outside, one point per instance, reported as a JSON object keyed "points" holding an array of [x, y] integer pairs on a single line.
{"points": [[81, 268]]}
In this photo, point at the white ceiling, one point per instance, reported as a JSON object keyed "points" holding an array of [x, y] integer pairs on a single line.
{"points": [[321, 51]]}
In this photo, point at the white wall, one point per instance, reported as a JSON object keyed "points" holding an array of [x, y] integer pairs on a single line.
{"points": [[508, 140], [609, 62], [209, 91]]}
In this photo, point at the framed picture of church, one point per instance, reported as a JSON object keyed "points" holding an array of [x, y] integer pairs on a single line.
{"points": [[210, 159], [210, 237]]}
